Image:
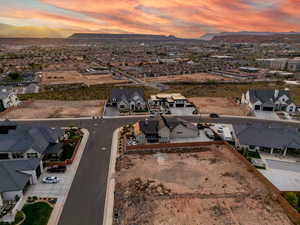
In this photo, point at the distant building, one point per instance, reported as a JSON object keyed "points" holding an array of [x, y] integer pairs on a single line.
{"points": [[8, 99], [248, 69], [269, 100], [293, 65], [128, 99]]}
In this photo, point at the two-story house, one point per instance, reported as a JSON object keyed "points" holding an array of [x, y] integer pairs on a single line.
{"points": [[164, 129], [268, 100], [128, 99]]}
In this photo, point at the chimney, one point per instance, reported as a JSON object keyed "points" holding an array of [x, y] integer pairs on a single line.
{"points": [[276, 93]]}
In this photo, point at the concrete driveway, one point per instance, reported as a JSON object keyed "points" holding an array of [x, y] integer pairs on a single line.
{"points": [[52, 190], [266, 115], [187, 111]]}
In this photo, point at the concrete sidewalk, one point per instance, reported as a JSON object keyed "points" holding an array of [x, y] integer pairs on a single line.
{"points": [[54, 218], [110, 189]]}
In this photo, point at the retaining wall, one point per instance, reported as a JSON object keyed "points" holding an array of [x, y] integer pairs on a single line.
{"points": [[170, 147], [274, 191]]}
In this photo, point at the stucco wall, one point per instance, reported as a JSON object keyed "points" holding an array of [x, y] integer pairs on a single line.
{"points": [[10, 195]]}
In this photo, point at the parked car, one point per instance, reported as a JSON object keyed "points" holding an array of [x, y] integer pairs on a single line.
{"points": [[57, 169], [50, 180], [208, 132], [214, 115]]}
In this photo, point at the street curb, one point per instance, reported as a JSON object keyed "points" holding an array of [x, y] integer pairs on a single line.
{"points": [[110, 187], [57, 211]]}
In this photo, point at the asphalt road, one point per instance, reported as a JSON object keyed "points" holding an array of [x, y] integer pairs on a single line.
{"points": [[86, 199]]}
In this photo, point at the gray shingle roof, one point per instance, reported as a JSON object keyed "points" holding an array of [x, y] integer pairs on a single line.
{"points": [[264, 135], [24, 138], [11, 176], [266, 95], [128, 94]]}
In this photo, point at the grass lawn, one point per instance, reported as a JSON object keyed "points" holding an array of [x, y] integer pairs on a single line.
{"points": [[37, 213]]}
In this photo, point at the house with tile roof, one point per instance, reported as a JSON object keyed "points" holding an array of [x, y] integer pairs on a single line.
{"points": [[269, 100]]}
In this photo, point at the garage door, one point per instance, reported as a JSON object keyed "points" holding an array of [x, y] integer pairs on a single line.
{"points": [[257, 107], [268, 109], [4, 156], [179, 105]]}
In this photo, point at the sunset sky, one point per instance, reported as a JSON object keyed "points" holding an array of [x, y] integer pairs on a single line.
{"points": [[183, 18]]}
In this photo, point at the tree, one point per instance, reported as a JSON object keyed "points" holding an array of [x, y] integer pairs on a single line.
{"points": [[14, 75]]}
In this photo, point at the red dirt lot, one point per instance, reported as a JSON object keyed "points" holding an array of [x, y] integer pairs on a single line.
{"points": [[211, 187], [42, 109], [223, 106]]}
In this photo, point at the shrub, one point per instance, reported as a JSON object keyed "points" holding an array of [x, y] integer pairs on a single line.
{"points": [[293, 199]]}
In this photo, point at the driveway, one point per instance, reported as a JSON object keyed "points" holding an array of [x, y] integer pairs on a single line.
{"points": [[52, 190], [281, 165], [266, 115], [111, 111], [188, 111]]}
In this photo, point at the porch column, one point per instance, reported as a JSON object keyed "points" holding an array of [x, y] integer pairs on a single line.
{"points": [[272, 149], [285, 151]]}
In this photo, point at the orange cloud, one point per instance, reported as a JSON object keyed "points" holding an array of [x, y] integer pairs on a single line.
{"points": [[181, 18]]}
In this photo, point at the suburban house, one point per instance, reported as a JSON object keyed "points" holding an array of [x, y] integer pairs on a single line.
{"points": [[16, 175], [128, 99], [8, 99], [163, 130], [168, 100], [22, 141], [268, 100], [273, 139]]}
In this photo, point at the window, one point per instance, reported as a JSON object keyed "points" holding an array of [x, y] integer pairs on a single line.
{"points": [[32, 155], [18, 155]]}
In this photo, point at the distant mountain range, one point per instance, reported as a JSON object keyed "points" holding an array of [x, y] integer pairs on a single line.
{"points": [[120, 36], [244, 34]]}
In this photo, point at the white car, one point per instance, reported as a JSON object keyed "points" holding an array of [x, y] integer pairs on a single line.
{"points": [[50, 180]]}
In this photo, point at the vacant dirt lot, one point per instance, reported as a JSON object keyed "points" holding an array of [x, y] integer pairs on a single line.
{"points": [[188, 77], [222, 106], [207, 188], [73, 77], [55, 109]]}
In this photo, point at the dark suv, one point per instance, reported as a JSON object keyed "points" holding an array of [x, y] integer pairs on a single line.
{"points": [[57, 169], [214, 115]]}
